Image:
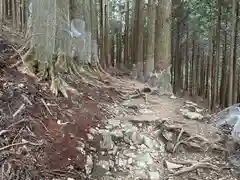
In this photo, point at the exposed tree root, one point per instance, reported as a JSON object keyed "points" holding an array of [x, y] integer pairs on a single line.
{"points": [[196, 165], [196, 142], [60, 70]]}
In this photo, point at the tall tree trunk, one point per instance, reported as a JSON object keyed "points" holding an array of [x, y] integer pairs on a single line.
{"points": [[106, 34], [112, 50], [186, 59], [234, 54], [177, 60], [126, 36], [202, 83], [231, 91], [94, 32], [192, 71], [198, 68], [163, 44], [135, 33], [209, 78], [225, 69], [149, 66], [140, 41], [101, 24], [217, 57]]}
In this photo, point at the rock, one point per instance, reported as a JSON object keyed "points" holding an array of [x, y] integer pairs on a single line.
{"points": [[108, 178], [80, 149], [130, 161], [153, 101], [155, 154], [104, 165], [128, 126], [154, 175], [137, 138], [184, 111], [173, 97], [90, 137], [109, 127], [141, 164], [141, 118], [190, 103], [70, 178], [198, 110], [193, 115], [168, 135], [89, 164], [234, 159], [107, 142], [145, 157], [114, 122], [132, 148], [190, 108], [111, 164], [140, 174], [129, 153], [130, 104], [122, 162], [146, 111], [114, 151], [169, 147], [117, 133], [93, 131], [127, 139], [93, 149], [152, 144], [143, 147]]}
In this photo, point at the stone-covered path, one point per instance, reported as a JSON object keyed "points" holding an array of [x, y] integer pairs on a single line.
{"points": [[158, 137]]}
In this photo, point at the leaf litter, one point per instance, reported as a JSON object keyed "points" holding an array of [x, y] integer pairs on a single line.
{"points": [[48, 137]]}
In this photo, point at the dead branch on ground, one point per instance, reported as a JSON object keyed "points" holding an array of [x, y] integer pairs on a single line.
{"points": [[194, 165]]}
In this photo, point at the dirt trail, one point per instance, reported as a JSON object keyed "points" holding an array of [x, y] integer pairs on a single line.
{"points": [[159, 137], [116, 131]]}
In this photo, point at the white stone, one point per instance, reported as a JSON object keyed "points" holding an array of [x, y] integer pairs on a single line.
{"points": [[145, 157], [107, 142], [154, 175], [130, 160], [122, 162], [104, 165], [137, 138], [190, 103], [193, 115], [142, 164], [140, 174], [173, 97], [117, 133], [90, 137], [114, 122], [70, 178], [89, 164], [149, 142]]}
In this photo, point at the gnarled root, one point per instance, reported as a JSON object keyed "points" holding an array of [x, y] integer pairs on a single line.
{"points": [[60, 69]]}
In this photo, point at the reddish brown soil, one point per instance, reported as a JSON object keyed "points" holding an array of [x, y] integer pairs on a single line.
{"points": [[60, 141]]}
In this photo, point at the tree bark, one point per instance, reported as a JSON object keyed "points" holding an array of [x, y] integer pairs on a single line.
{"points": [[149, 66], [139, 52], [163, 45], [231, 91]]}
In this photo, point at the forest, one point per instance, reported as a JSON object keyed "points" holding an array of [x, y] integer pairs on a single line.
{"points": [[83, 79]]}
